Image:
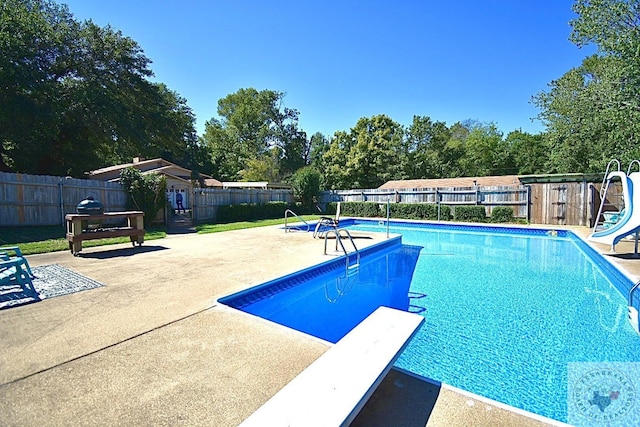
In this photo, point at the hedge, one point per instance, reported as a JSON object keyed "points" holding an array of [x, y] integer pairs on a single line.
{"points": [[251, 211], [419, 211], [502, 214], [359, 209], [470, 214]]}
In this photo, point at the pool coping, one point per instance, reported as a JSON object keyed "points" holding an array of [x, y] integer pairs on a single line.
{"points": [[195, 361], [583, 245]]}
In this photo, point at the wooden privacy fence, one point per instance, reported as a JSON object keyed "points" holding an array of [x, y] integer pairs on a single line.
{"points": [[207, 200], [515, 196], [548, 203], [44, 200]]}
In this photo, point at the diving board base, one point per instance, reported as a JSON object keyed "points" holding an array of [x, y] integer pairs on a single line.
{"points": [[334, 388]]}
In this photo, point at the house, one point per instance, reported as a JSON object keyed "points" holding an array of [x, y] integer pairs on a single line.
{"points": [[481, 181], [178, 178], [256, 185]]}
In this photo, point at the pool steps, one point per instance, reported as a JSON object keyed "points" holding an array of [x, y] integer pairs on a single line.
{"points": [[334, 388], [633, 316]]}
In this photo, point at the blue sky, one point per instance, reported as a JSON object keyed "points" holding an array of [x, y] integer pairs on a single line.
{"points": [[338, 61]]}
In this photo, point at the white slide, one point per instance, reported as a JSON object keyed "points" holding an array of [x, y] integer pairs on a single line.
{"points": [[630, 221]]}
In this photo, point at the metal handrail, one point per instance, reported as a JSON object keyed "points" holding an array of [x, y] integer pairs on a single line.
{"points": [[388, 215], [633, 288], [606, 174], [603, 190], [339, 240], [631, 165], [286, 216]]}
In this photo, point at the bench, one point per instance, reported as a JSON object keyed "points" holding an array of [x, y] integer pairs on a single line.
{"points": [[334, 388], [78, 230]]}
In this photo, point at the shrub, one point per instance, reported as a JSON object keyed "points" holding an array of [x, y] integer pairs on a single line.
{"points": [[470, 214], [502, 214], [306, 186], [250, 211], [360, 209], [146, 193], [420, 211]]}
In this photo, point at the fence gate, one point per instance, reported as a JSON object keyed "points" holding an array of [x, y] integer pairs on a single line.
{"points": [[559, 204]]}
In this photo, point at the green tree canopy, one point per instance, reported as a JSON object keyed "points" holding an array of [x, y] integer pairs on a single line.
{"points": [[76, 96], [427, 141], [144, 192], [252, 124], [529, 152], [592, 112], [306, 186], [486, 153]]}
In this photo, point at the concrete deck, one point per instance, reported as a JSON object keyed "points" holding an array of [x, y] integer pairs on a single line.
{"points": [[153, 347]]}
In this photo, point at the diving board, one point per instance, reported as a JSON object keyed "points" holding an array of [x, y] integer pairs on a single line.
{"points": [[334, 388]]}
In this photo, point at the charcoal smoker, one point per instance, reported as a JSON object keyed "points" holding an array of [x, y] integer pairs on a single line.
{"points": [[90, 206]]}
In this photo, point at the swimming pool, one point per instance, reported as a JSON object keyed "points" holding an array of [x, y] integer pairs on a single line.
{"points": [[506, 308]]}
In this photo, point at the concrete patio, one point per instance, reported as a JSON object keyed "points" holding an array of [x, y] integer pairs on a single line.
{"points": [[153, 347]]}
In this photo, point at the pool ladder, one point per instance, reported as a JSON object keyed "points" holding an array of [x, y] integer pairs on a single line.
{"points": [[338, 233], [634, 318], [287, 227]]}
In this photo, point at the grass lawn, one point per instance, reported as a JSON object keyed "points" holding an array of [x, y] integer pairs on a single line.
{"points": [[43, 239], [51, 238], [216, 228]]}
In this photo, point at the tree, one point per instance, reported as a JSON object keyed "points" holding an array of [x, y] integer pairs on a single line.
{"points": [[335, 175], [612, 25], [264, 168], [144, 192], [374, 157], [587, 121], [486, 153], [306, 186], [427, 147], [592, 112], [251, 124], [76, 96], [454, 150], [318, 145], [227, 156], [530, 153]]}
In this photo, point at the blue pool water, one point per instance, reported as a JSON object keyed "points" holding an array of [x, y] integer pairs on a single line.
{"points": [[506, 310]]}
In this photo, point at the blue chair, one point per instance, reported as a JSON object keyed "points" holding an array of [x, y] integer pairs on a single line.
{"points": [[15, 270]]}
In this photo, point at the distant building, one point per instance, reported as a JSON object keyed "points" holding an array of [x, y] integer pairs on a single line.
{"points": [[257, 185], [481, 181], [178, 178]]}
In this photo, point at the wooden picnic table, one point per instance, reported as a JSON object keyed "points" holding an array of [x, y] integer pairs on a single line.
{"points": [[78, 229]]}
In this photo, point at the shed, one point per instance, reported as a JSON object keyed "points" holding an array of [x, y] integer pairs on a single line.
{"points": [[178, 178]]}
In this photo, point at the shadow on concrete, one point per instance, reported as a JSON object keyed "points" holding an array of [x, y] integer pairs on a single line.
{"points": [[401, 400], [115, 253], [354, 237], [181, 230], [623, 256]]}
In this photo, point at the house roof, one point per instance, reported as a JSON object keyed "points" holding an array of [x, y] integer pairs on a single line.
{"points": [[212, 182], [161, 162], [484, 181], [152, 165], [257, 184]]}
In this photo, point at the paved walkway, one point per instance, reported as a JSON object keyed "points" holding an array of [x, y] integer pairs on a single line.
{"points": [[153, 347]]}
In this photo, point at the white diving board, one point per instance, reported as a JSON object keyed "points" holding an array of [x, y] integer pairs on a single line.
{"points": [[334, 388]]}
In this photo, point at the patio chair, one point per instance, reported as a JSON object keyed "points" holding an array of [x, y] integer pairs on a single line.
{"points": [[15, 269], [327, 222]]}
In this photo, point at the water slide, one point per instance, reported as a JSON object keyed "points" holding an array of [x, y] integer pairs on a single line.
{"points": [[629, 222]]}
